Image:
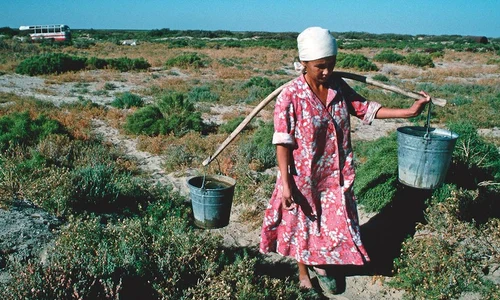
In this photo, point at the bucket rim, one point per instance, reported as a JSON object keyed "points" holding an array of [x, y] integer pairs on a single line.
{"points": [[436, 133], [222, 178]]}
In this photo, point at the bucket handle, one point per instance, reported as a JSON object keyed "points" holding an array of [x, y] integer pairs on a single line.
{"points": [[428, 122], [205, 173]]}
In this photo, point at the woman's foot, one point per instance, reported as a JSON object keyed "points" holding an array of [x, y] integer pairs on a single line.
{"points": [[305, 283], [327, 282], [304, 279]]}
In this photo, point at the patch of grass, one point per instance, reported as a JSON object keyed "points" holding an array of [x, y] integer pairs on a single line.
{"points": [[19, 129], [202, 94], [388, 56], [355, 61], [259, 151], [376, 180], [188, 60], [171, 114], [381, 78], [419, 60], [127, 100]]}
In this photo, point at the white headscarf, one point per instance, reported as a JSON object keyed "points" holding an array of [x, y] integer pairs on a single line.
{"points": [[315, 43]]}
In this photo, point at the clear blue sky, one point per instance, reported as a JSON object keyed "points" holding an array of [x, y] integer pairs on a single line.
{"points": [[432, 17]]}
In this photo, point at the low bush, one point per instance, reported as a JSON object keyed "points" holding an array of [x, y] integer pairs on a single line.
{"points": [[419, 60], [20, 129], [355, 61], [202, 94], [259, 150], [50, 63], [127, 100], [188, 60], [171, 114], [125, 64], [388, 56], [381, 78], [56, 63], [147, 120], [67, 176], [96, 63], [474, 159], [258, 88]]}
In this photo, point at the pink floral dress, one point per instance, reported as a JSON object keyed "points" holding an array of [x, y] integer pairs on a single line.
{"points": [[324, 229]]}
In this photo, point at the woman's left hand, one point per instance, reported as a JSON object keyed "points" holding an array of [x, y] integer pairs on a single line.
{"points": [[419, 104], [427, 98]]}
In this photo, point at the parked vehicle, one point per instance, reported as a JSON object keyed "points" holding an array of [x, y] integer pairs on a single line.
{"points": [[57, 33]]}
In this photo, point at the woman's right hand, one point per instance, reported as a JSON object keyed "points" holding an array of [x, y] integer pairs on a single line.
{"points": [[287, 201]]}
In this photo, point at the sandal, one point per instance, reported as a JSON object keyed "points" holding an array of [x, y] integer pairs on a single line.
{"points": [[327, 283]]}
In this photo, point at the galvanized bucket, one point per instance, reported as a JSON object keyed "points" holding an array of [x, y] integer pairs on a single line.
{"points": [[424, 155], [211, 199]]}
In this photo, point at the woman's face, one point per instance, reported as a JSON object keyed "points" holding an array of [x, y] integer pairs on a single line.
{"points": [[320, 70]]}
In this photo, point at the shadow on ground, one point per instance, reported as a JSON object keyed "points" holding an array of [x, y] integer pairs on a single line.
{"points": [[384, 234]]}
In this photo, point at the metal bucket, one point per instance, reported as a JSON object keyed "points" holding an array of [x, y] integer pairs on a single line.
{"points": [[424, 155], [211, 199]]}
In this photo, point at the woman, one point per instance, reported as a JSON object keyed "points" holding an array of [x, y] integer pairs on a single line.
{"points": [[312, 215]]}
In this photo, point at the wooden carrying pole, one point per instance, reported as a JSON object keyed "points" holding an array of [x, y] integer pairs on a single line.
{"points": [[270, 97]]}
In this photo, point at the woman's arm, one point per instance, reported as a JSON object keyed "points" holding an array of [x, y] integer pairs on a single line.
{"points": [[413, 111], [283, 157]]}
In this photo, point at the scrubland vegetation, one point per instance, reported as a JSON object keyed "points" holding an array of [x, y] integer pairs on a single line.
{"points": [[125, 236]]}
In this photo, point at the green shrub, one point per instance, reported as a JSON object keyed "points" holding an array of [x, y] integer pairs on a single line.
{"points": [[83, 43], [171, 114], [20, 129], [474, 159], [56, 63], [108, 86], [94, 186], [127, 100], [260, 148], [124, 64], [177, 157], [381, 78], [355, 61], [50, 63], [188, 60], [202, 93], [259, 88], [147, 120], [96, 63], [388, 56], [180, 115], [66, 176], [419, 60]]}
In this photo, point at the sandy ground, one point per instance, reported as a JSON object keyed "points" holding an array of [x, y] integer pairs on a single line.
{"points": [[237, 233]]}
